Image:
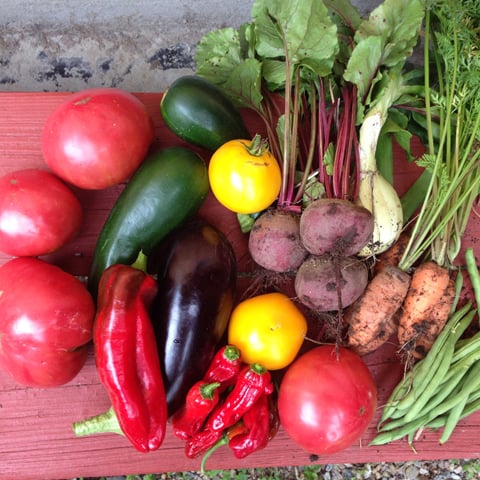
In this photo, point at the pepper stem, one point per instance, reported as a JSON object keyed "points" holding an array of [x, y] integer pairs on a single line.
{"points": [[258, 368], [208, 390], [140, 262], [106, 422], [236, 429], [231, 353], [222, 441]]}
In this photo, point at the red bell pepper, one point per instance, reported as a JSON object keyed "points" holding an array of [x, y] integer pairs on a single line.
{"points": [[127, 359]]}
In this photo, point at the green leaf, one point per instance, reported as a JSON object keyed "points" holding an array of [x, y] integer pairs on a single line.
{"points": [[244, 85], [300, 29], [363, 64], [397, 23], [217, 54], [274, 74]]}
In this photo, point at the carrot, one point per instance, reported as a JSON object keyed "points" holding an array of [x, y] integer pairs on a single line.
{"points": [[371, 318], [426, 308], [393, 255]]}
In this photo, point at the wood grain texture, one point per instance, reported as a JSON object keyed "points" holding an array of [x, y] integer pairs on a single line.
{"points": [[36, 440]]}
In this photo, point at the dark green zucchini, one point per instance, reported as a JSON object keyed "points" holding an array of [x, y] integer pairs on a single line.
{"points": [[200, 113], [169, 187]]}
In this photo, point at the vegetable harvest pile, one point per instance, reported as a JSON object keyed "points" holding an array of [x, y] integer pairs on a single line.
{"points": [[339, 264]]}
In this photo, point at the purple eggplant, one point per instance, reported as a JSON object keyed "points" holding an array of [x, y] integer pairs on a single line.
{"points": [[196, 274]]}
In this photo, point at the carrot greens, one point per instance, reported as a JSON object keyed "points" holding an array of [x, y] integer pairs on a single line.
{"points": [[452, 94]]}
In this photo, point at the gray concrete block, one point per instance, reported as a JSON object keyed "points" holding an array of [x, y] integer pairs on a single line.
{"points": [[140, 45]]}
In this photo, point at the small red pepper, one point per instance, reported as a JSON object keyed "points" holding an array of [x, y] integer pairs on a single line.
{"points": [[126, 356], [257, 421], [225, 366], [253, 381], [201, 442], [201, 399], [206, 442]]}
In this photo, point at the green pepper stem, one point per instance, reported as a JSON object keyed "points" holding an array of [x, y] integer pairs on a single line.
{"points": [[231, 352], [208, 390], [219, 443], [258, 368], [106, 422], [140, 262]]}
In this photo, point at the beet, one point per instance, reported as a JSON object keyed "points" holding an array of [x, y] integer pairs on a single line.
{"points": [[274, 241], [335, 226], [321, 280]]}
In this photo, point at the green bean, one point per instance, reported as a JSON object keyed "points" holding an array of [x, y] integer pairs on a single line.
{"points": [[462, 366], [458, 290], [473, 273], [424, 392], [400, 432], [465, 346], [456, 412], [453, 330], [471, 382], [441, 394], [398, 393], [472, 406], [452, 420]]}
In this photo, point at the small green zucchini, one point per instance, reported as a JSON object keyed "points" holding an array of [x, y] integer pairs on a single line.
{"points": [[200, 113], [168, 188]]}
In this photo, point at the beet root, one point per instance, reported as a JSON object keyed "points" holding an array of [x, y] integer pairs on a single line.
{"points": [[330, 283], [335, 226], [274, 241]]}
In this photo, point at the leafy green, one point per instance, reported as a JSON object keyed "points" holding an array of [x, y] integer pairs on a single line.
{"points": [[288, 48], [453, 97], [291, 32]]}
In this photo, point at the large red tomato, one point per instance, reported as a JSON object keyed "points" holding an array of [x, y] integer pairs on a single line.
{"points": [[326, 402], [38, 213], [97, 138], [46, 322]]}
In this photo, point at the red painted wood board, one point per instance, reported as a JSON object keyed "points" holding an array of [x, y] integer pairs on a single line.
{"points": [[36, 439]]}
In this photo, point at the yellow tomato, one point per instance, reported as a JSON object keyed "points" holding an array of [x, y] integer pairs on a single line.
{"points": [[244, 175], [268, 329]]}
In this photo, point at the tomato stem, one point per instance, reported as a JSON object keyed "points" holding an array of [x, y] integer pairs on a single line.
{"points": [[258, 146]]}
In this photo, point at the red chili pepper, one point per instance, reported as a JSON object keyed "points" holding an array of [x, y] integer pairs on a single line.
{"points": [[200, 401], [206, 442], [126, 355], [225, 366], [253, 381], [201, 442], [257, 421]]}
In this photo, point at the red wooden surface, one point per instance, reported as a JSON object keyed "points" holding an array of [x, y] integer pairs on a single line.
{"points": [[36, 439]]}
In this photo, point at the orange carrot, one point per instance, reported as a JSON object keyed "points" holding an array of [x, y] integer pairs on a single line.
{"points": [[426, 308], [371, 318], [393, 255]]}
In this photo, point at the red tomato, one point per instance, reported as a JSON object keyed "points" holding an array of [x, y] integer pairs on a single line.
{"points": [[97, 138], [326, 403], [38, 213], [46, 322]]}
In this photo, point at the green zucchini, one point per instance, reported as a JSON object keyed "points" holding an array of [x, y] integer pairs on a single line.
{"points": [[168, 188], [200, 113]]}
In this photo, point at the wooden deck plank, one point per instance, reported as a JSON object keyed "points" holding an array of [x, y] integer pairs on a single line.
{"points": [[36, 440]]}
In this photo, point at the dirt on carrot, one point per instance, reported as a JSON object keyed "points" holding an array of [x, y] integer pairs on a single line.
{"points": [[426, 308], [393, 255], [371, 319]]}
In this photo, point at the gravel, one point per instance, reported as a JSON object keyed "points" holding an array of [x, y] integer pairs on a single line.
{"points": [[422, 470]]}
